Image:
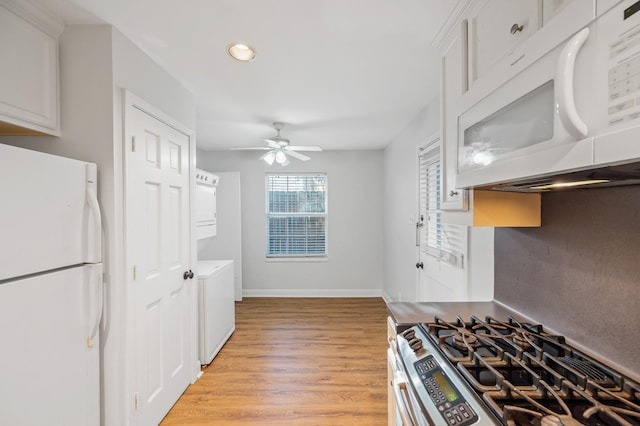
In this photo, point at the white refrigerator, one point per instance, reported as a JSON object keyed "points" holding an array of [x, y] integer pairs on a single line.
{"points": [[50, 290]]}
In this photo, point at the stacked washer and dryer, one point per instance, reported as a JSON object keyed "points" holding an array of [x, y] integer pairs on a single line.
{"points": [[216, 294]]}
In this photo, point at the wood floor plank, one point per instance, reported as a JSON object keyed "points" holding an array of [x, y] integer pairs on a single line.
{"points": [[295, 361]]}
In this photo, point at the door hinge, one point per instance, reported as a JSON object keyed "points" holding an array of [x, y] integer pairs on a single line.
{"points": [[135, 270], [133, 144], [135, 400]]}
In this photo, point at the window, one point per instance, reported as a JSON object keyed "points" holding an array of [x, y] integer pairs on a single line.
{"points": [[444, 241], [296, 215]]}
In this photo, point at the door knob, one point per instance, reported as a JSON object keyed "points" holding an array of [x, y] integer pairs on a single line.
{"points": [[420, 265], [188, 275]]}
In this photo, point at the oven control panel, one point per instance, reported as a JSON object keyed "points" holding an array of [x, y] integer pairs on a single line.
{"points": [[451, 405]]}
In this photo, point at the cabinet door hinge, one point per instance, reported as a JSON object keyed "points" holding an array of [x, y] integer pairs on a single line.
{"points": [[135, 271], [133, 144], [135, 400]]}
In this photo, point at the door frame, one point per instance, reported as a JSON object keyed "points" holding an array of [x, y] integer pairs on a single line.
{"points": [[130, 102], [421, 274]]}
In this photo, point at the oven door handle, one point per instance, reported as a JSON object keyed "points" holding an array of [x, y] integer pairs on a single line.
{"points": [[400, 390]]}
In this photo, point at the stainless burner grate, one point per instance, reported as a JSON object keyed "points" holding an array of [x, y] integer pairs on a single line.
{"points": [[587, 369]]}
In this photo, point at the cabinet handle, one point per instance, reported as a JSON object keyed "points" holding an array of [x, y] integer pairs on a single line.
{"points": [[453, 193], [515, 28]]}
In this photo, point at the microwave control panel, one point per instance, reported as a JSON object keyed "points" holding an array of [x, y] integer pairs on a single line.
{"points": [[624, 66]]}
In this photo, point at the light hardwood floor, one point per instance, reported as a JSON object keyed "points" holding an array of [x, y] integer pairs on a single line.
{"points": [[295, 361]]}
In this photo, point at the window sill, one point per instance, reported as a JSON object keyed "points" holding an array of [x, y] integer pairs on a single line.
{"points": [[297, 259]]}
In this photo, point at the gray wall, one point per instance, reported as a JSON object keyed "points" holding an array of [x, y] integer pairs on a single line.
{"points": [[579, 273], [354, 263], [401, 204]]}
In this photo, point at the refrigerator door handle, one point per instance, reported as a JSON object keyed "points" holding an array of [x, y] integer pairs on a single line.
{"points": [[94, 248], [97, 270]]}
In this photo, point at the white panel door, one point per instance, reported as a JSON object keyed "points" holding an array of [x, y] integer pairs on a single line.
{"points": [[441, 247], [158, 218]]}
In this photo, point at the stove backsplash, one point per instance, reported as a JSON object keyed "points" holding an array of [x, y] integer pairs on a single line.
{"points": [[579, 274]]}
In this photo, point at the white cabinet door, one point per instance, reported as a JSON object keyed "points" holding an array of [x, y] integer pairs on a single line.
{"points": [[29, 83], [158, 244], [453, 82], [496, 27], [550, 8], [393, 417]]}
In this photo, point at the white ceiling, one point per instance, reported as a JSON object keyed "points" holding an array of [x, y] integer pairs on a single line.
{"points": [[342, 74]]}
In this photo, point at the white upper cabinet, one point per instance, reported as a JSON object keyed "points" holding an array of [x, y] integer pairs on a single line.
{"points": [[453, 83], [460, 206], [551, 8], [29, 101], [496, 27]]}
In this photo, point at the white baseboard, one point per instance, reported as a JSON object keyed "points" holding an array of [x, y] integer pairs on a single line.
{"points": [[247, 292]]}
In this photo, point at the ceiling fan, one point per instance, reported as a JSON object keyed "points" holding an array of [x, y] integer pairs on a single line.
{"points": [[279, 150]]}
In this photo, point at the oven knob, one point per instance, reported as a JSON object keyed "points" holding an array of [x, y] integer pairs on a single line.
{"points": [[409, 334], [416, 345]]}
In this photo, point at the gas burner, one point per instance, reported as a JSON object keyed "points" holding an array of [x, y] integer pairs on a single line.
{"points": [[464, 340], [521, 341]]}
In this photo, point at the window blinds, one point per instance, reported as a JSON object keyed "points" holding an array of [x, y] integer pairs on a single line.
{"points": [[444, 241], [296, 215]]}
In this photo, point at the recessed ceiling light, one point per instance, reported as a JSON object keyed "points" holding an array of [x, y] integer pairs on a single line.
{"points": [[241, 52]]}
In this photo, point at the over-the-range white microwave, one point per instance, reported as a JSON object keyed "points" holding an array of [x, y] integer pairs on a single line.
{"points": [[570, 100]]}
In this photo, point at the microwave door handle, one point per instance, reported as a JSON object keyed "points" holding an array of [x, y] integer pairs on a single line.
{"points": [[565, 101]]}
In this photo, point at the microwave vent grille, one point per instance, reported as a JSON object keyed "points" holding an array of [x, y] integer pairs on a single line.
{"points": [[617, 175]]}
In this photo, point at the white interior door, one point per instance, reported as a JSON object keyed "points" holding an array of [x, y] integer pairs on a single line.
{"points": [[441, 247], [158, 218]]}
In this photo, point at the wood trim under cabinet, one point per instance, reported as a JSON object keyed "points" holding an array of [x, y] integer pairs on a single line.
{"points": [[507, 209]]}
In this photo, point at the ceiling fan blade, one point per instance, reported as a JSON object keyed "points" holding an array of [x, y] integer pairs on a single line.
{"points": [[297, 155], [272, 143], [253, 148], [305, 148]]}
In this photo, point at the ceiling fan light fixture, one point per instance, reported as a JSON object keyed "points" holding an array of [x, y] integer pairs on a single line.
{"points": [[278, 149], [281, 157], [241, 52], [269, 157]]}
